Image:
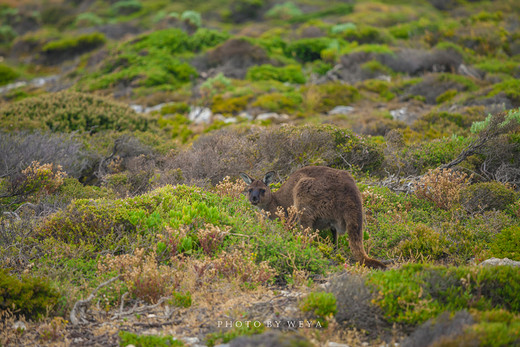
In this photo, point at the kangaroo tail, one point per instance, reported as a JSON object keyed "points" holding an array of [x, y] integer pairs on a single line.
{"points": [[355, 238]]}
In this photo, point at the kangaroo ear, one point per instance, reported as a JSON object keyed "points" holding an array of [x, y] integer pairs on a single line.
{"points": [[268, 178], [246, 178]]}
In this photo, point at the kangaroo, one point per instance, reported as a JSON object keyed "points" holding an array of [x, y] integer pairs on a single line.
{"points": [[327, 198]]}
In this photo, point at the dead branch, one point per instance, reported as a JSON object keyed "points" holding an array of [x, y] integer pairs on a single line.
{"points": [[82, 305], [141, 309]]}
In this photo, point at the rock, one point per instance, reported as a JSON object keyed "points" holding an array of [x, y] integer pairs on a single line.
{"points": [[137, 108], [191, 340], [246, 115], [270, 339], [19, 326], [335, 344], [400, 114], [500, 262], [230, 120], [199, 115], [272, 116], [341, 110]]}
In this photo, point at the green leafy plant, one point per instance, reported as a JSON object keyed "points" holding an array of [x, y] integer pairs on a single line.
{"points": [[128, 338], [506, 244], [320, 304], [30, 296]]}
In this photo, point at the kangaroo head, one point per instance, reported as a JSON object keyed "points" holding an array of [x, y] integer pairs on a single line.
{"points": [[258, 192]]}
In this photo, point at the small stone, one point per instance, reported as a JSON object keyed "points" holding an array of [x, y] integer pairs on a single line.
{"points": [[335, 344], [200, 115], [499, 262], [19, 326], [341, 110], [191, 340], [230, 120]]}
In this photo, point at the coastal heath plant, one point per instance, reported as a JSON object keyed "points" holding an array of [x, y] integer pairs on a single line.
{"points": [[442, 187]]}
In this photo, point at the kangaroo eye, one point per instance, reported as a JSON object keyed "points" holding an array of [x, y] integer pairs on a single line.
{"points": [[250, 190], [262, 191]]}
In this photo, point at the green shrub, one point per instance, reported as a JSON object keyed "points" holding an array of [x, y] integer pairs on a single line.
{"points": [[70, 111], [7, 34], [366, 34], [193, 18], [307, 50], [279, 102], [510, 87], [333, 10], [32, 297], [121, 224], [382, 88], [446, 96], [424, 242], [322, 305], [151, 60], [284, 11], [181, 299], [125, 7], [128, 338], [229, 106], [417, 292], [484, 196], [289, 73], [506, 244], [88, 19], [74, 45], [7, 74], [331, 94], [244, 10], [204, 38]]}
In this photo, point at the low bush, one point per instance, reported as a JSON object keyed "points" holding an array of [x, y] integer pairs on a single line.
{"points": [[329, 95], [32, 297], [7, 74], [19, 149], [70, 111], [7, 34], [284, 11], [321, 305], [69, 47], [278, 102], [128, 338], [506, 244], [306, 50], [442, 187], [243, 10], [290, 73], [485, 196], [416, 292], [125, 7], [198, 220]]}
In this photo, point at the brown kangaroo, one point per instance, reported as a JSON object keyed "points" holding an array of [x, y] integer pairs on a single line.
{"points": [[327, 198]]}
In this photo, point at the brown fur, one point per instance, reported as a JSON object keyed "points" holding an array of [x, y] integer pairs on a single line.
{"points": [[328, 199]]}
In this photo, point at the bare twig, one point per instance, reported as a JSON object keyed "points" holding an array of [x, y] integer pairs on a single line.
{"points": [[141, 309], [82, 305]]}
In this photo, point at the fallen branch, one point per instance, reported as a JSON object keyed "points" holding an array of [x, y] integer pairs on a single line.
{"points": [[141, 309], [82, 305]]}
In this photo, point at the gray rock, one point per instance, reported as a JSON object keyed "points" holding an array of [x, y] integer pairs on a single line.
{"points": [[137, 108], [199, 115], [270, 339], [341, 110], [246, 115], [19, 326], [498, 262], [272, 116]]}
